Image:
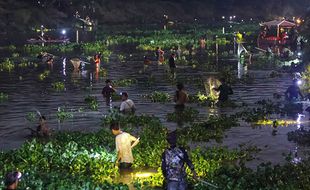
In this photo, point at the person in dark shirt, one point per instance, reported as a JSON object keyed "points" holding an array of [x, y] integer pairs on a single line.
{"points": [[173, 165], [293, 91], [11, 180], [172, 64], [107, 92], [224, 90]]}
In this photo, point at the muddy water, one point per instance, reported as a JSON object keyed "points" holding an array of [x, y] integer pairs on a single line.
{"points": [[27, 94]]}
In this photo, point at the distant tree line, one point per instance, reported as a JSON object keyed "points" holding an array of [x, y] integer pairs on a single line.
{"points": [[23, 14]]}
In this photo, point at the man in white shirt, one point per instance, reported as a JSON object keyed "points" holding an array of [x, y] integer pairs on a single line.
{"points": [[127, 105], [124, 143]]}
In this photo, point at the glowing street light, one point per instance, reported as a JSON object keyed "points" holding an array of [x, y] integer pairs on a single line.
{"points": [[63, 32]]}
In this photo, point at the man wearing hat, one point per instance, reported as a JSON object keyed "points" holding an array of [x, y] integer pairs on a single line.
{"points": [[11, 180], [173, 165]]}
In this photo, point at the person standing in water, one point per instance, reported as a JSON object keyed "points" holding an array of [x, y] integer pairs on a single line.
{"points": [[107, 92], [224, 91], [173, 162]]}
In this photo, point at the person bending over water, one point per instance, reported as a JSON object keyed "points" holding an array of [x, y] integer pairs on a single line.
{"points": [[224, 90], [42, 129]]}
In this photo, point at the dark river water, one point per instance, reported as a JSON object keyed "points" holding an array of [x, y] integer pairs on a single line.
{"points": [[29, 94]]}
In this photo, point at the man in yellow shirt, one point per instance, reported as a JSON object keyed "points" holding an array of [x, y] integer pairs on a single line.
{"points": [[124, 143]]}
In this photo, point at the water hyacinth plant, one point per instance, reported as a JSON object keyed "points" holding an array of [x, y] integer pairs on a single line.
{"points": [[58, 86], [157, 96], [44, 75], [3, 97], [7, 65], [63, 115], [31, 116], [92, 102]]}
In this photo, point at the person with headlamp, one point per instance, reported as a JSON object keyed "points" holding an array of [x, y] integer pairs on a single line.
{"points": [[293, 91]]}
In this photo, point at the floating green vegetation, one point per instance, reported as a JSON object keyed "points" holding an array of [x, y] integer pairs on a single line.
{"points": [[15, 55], [103, 72], [11, 48], [43, 75], [306, 80], [157, 96], [261, 113], [96, 47], [58, 86], [165, 39], [216, 127], [3, 97], [92, 102], [25, 63], [63, 115], [125, 82], [121, 58], [31, 116], [76, 160], [187, 115], [7, 65], [203, 99]]}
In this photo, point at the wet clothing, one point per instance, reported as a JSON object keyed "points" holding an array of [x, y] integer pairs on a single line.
{"points": [[127, 106], [292, 93], [173, 167], [123, 146], [224, 90]]}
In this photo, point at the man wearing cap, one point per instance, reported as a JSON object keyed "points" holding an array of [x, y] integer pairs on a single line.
{"points": [[173, 165], [107, 92], [127, 105], [11, 180]]}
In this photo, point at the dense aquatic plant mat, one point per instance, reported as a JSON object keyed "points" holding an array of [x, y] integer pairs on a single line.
{"points": [[213, 128], [262, 112], [88, 48], [75, 160], [165, 39]]}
